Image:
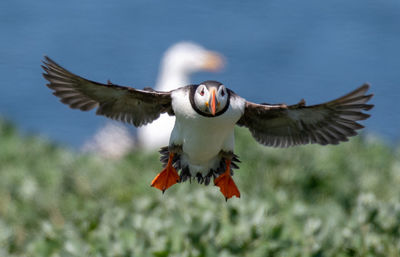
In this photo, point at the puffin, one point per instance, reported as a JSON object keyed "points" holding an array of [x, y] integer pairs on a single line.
{"points": [[201, 144]]}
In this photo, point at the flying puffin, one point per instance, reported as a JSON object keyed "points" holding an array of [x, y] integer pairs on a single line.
{"points": [[201, 144]]}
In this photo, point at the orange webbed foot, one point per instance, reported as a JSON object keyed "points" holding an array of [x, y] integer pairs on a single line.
{"points": [[167, 177], [226, 184]]}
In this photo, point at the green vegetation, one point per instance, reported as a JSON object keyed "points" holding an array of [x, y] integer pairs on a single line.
{"points": [[304, 201]]}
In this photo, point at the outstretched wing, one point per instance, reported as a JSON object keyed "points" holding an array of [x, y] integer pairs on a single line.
{"points": [[125, 104], [327, 123]]}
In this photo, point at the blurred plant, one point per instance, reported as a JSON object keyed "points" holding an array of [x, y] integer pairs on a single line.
{"points": [[304, 201]]}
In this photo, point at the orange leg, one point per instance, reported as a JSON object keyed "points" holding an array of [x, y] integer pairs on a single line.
{"points": [[167, 177], [226, 184]]}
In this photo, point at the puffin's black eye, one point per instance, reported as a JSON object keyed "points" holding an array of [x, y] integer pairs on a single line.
{"points": [[222, 93], [202, 92]]}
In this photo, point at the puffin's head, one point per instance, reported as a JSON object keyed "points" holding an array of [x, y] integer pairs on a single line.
{"points": [[211, 98]]}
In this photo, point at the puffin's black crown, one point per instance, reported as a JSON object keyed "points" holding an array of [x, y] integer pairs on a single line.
{"points": [[211, 83]]}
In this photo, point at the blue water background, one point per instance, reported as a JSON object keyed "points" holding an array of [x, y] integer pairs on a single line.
{"points": [[276, 51]]}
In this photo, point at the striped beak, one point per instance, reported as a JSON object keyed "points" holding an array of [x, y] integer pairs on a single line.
{"points": [[213, 102]]}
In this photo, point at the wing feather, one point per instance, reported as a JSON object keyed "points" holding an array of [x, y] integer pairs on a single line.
{"points": [[328, 123], [125, 104]]}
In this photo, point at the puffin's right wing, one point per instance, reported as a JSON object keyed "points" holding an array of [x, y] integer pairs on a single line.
{"points": [[327, 123], [126, 104]]}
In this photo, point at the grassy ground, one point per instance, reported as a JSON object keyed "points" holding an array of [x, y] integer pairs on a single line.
{"points": [[304, 201]]}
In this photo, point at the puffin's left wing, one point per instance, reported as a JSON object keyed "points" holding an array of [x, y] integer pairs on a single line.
{"points": [[126, 104], [327, 123]]}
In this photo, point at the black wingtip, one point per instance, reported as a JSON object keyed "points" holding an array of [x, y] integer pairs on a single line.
{"points": [[369, 107], [49, 62], [46, 60], [366, 86]]}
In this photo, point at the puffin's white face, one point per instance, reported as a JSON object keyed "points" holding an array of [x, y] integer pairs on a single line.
{"points": [[210, 100]]}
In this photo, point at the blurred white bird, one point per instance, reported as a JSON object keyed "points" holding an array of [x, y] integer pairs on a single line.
{"points": [[178, 63]]}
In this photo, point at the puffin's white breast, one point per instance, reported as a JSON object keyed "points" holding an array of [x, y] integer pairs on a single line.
{"points": [[202, 138]]}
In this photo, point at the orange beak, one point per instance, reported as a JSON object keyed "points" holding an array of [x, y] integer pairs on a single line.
{"points": [[213, 102]]}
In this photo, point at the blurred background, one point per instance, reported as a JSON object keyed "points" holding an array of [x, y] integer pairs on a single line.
{"points": [[304, 201], [276, 51]]}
